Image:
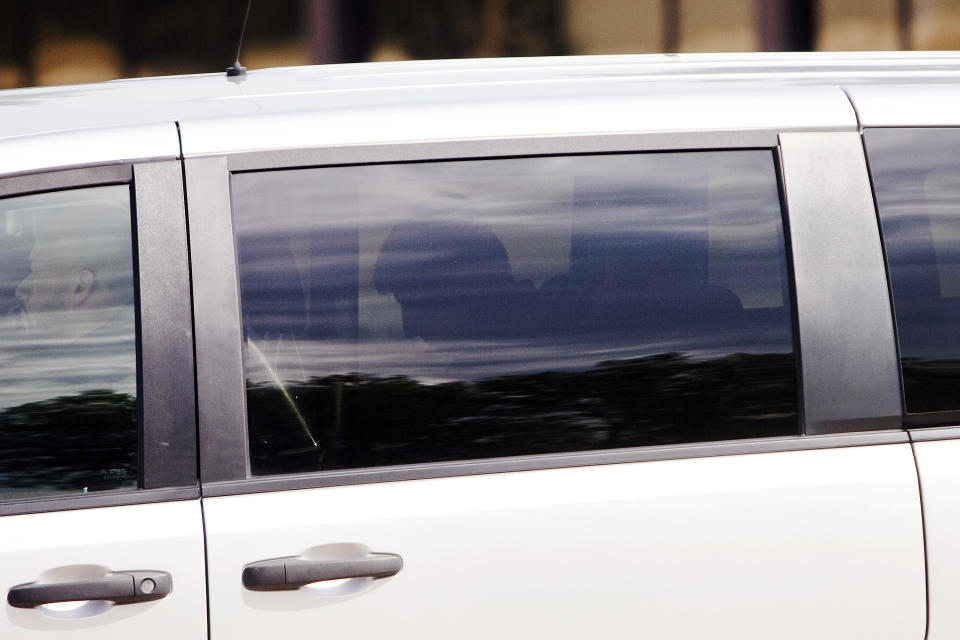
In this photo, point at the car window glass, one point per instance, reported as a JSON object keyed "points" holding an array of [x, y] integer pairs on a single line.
{"points": [[917, 182], [68, 365], [423, 312]]}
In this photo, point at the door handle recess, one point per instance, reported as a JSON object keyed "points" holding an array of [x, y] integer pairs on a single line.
{"points": [[125, 587], [288, 574]]}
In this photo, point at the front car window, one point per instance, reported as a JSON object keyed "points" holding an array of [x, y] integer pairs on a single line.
{"points": [[424, 312], [68, 363]]}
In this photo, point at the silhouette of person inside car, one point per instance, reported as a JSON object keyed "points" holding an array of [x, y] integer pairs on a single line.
{"points": [[81, 274], [453, 281]]}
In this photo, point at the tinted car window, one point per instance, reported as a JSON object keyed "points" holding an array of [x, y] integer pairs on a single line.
{"points": [[68, 364], [916, 176], [421, 312]]}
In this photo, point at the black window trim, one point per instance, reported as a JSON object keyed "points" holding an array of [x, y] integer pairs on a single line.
{"points": [[925, 425], [319, 479], [165, 369], [224, 454], [850, 367], [96, 500]]}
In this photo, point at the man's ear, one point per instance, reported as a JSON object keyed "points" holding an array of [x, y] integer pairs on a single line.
{"points": [[82, 286]]}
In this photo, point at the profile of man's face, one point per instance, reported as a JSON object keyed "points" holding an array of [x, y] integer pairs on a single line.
{"points": [[80, 272], [53, 284]]}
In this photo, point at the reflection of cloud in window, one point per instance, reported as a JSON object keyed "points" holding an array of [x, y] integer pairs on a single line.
{"points": [[726, 201], [941, 194], [25, 208], [68, 350], [33, 369]]}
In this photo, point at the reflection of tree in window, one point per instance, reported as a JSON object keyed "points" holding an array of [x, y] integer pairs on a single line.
{"points": [[81, 442], [654, 400]]}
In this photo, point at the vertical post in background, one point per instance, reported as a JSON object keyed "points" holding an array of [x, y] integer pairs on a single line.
{"points": [[493, 29], [129, 37], [671, 25], [786, 25], [338, 30], [322, 30], [26, 39], [905, 24]]}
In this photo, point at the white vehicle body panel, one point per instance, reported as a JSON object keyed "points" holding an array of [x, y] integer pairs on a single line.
{"points": [[940, 481], [696, 77], [907, 104], [538, 110], [808, 544], [69, 545], [88, 147], [819, 543], [472, 99]]}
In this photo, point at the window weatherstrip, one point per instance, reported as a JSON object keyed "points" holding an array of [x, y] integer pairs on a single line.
{"points": [[26, 184], [97, 500], [551, 461], [494, 148]]}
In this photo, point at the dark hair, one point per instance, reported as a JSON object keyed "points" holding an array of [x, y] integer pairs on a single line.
{"points": [[433, 257]]}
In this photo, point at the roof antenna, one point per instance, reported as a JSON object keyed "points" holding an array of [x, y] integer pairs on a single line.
{"points": [[236, 69]]}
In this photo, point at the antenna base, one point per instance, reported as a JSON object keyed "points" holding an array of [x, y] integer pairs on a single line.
{"points": [[236, 69]]}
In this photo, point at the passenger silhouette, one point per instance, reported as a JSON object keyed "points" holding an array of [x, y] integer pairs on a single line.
{"points": [[81, 273], [453, 281]]}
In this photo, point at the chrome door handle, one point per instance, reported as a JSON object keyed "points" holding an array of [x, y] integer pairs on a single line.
{"points": [[287, 574], [124, 587]]}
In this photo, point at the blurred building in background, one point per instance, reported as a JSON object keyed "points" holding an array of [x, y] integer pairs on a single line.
{"points": [[50, 42]]}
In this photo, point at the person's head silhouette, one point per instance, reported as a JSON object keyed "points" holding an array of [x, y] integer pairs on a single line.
{"points": [[80, 271], [449, 278]]}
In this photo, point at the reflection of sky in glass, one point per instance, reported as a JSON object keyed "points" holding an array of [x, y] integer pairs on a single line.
{"points": [[52, 351], [917, 179], [39, 367], [609, 257]]}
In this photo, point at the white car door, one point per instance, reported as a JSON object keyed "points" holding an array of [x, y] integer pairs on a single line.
{"points": [[107, 572], [100, 517], [914, 172], [801, 544], [552, 396]]}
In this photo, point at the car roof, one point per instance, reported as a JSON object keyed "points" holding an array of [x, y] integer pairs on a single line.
{"points": [[482, 98]]}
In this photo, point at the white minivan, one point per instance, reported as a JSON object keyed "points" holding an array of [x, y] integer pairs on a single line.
{"points": [[654, 346]]}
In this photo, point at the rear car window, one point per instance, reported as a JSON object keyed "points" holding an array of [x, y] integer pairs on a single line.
{"points": [[68, 357], [916, 177], [441, 311]]}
